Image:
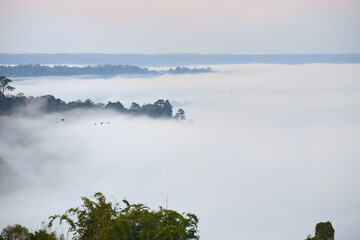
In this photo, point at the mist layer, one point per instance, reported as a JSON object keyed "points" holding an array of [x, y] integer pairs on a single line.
{"points": [[271, 150]]}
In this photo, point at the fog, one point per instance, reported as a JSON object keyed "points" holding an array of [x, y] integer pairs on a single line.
{"points": [[271, 150]]}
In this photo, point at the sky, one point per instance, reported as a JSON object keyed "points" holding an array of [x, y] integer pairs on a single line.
{"points": [[271, 151], [187, 26]]}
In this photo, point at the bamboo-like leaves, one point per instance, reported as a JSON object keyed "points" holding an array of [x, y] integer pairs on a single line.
{"points": [[102, 220]]}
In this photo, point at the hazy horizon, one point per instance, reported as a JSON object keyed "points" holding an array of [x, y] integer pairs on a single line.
{"points": [[171, 60]]}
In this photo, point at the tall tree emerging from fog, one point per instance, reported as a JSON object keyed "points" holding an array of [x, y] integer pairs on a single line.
{"points": [[4, 84]]}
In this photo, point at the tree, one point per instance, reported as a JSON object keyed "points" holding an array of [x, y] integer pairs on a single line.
{"points": [[4, 84], [323, 231], [164, 108], [93, 220], [116, 106], [51, 104], [102, 220], [42, 234], [134, 108], [160, 109], [18, 232], [15, 232], [309, 237], [180, 115]]}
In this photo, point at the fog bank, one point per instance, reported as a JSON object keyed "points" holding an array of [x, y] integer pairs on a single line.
{"points": [[271, 150]]}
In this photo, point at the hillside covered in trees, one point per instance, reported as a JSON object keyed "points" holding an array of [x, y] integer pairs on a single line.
{"points": [[37, 70]]}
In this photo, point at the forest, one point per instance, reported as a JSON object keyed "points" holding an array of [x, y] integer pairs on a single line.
{"points": [[37, 70], [48, 104]]}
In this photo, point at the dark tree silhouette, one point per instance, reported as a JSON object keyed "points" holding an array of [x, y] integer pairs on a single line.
{"points": [[4, 84], [115, 106], [180, 115]]}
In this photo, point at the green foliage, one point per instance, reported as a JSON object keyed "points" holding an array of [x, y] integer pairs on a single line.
{"points": [[18, 232], [42, 234], [104, 220], [15, 232], [324, 231], [310, 238]]}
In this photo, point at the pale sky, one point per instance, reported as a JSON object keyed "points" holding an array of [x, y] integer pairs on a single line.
{"points": [[186, 26]]}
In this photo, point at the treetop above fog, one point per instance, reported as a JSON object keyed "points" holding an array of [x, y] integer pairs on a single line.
{"points": [[4, 85], [48, 104]]}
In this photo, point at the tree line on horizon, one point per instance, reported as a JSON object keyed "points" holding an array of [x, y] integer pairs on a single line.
{"points": [[37, 70], [48, 104]]}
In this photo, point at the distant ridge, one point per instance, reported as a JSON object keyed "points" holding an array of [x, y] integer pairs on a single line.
{"points": [[37, 70], [164, 60]]}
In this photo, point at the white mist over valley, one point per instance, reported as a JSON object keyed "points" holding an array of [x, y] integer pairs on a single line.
{"points": [[270, 150]]}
